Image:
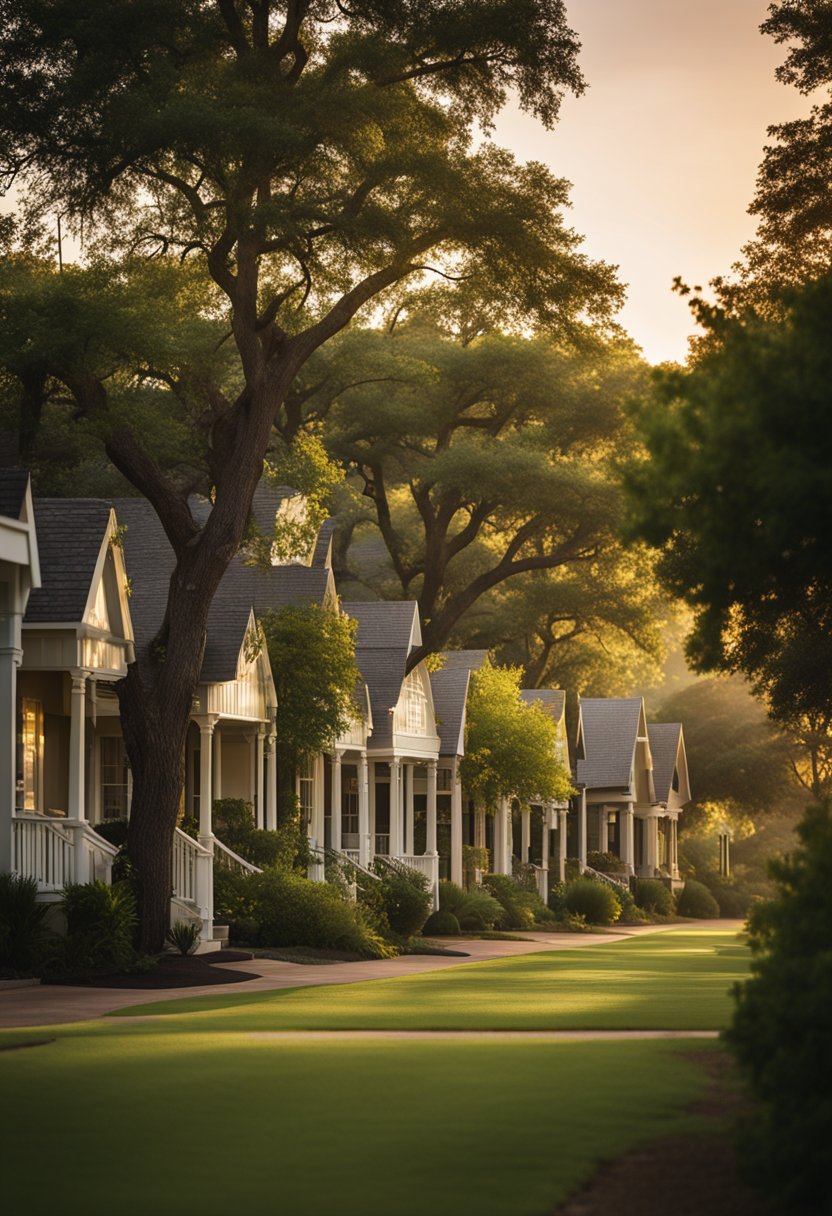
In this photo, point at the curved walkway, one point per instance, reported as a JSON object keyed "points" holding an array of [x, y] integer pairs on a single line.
{"points": [[49, 1005]]}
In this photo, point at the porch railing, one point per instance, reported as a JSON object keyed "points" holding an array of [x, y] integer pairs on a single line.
{"points": [[44, 851], [227, 859], [619, 883], [187, 854], [383, 844]]}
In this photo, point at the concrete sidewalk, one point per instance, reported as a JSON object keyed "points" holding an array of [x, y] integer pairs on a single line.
{"points": [[52, 1004]]}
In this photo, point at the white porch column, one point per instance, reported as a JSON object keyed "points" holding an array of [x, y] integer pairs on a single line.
{"points": [[409, 771], [651, 844], [626, 837], [260, 780], [502, 839], [456, 827], [430, 839], [562, 829], [365, 840], [525, 834], [544, 858], [337, 799], [675, 846], [271, 782], [582, 831], [396, 809], [603, 830], [216, 793], [10, 657], [206, 788], [77, 766]]}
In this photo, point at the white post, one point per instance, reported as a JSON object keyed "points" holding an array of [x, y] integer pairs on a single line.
{"points": [[260, 783], [396, 808], [10, 658], [77, 723], [582, 831], [205, 865], [337, 799], [502, 864], [525, 834], [217, 777], [651, 840], [456, 827], [544, 859], [365, 843], [409, 770], [603, 830], [430, 840], [271, 782], [562, 829], [626, 839]]}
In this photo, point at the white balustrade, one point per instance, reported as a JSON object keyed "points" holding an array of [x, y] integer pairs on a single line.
{"points": [[227, 859], [42, 850], [427, 864]]}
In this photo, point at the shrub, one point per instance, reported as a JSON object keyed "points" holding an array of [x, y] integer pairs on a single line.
{"points": [[474, 857], [631, 913], [406, 896], [521, 908], [557, 898], [594, 900], [475, 910], [114, 831], [100, 921], [442, 923], [697, 901], [234, 824], [780, 1029], [183, 934], [24, 938], [284, 909], [604, 863], [654, 896]]}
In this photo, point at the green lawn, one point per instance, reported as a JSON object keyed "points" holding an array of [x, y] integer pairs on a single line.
{"points": [[664, 981], [226, 1125]]}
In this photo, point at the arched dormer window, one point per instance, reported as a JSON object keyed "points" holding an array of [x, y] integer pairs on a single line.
{"points": [[415, 705]]}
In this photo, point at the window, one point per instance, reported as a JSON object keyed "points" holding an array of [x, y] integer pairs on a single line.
{"points": [[113, 777], [443, 780], [306, 789], [415, 705], [30, 757]]}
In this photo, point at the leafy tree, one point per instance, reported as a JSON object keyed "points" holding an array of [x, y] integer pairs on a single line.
{"points": [[780, 1030], [485, 461], [312, 655], [309, 156], [737, 493], [510, 747]]}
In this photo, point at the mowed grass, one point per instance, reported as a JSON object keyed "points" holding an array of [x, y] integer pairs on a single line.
{"points": [[180, 1124], [679, 980]]}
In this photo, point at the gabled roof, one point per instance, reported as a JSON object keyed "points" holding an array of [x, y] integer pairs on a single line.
{"points": [[264, 505], [386, 624], [322, 553], [450, 693], [665, 738], [470, 660], [150, 563], [553, 700], [13, 486], [610, 730], [70, 532]]}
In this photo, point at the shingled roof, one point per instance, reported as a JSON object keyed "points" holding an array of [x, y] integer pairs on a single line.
{"points": [[471, 660], [553, 700], [610, 727], [150, 563], [664, 748], [70, 534], [383, 624], [13, 483], [385, 633]]}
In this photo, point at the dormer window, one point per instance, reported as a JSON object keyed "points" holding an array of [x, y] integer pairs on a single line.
{"points": [[415, 705], [675, 782]]}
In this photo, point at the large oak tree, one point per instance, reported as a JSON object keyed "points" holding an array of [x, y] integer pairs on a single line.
{"points": [[312, 155]]}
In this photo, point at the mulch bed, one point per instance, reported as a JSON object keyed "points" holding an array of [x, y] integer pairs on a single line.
{"points": [[173, 971], [694, 1175]]}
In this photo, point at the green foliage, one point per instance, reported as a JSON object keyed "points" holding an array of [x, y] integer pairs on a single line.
{"points": [[631, 913], [604, 863], [100, 921], [475, 909], [474, 857], [594, 900], [24, 937], [510, 746], [278, 908], [234, 824], [653, 896], [183, 934], [780, 1031], [406, 897], [751, 848], [522, 909], [697, 901], [442, 923]]}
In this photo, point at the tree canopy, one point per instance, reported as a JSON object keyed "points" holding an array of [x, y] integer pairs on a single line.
{"points": [[510, 746]]}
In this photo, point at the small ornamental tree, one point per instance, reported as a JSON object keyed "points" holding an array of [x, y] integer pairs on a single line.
{"points": [[510, 747], [312, 655]]}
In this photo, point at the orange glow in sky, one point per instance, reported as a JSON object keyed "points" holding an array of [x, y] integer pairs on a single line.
{"points": [[663, 147]]}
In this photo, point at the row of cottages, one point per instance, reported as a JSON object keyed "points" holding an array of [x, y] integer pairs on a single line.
{"points": [[84, 585]]}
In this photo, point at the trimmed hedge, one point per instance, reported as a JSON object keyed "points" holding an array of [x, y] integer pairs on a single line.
{"points": [[596, 901], [475, 910], [653, 896], [442, 924], [521, 908], [406, 897], [697, 901]]}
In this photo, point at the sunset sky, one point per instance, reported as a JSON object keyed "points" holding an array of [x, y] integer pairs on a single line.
{"points": [[663, 148]]}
